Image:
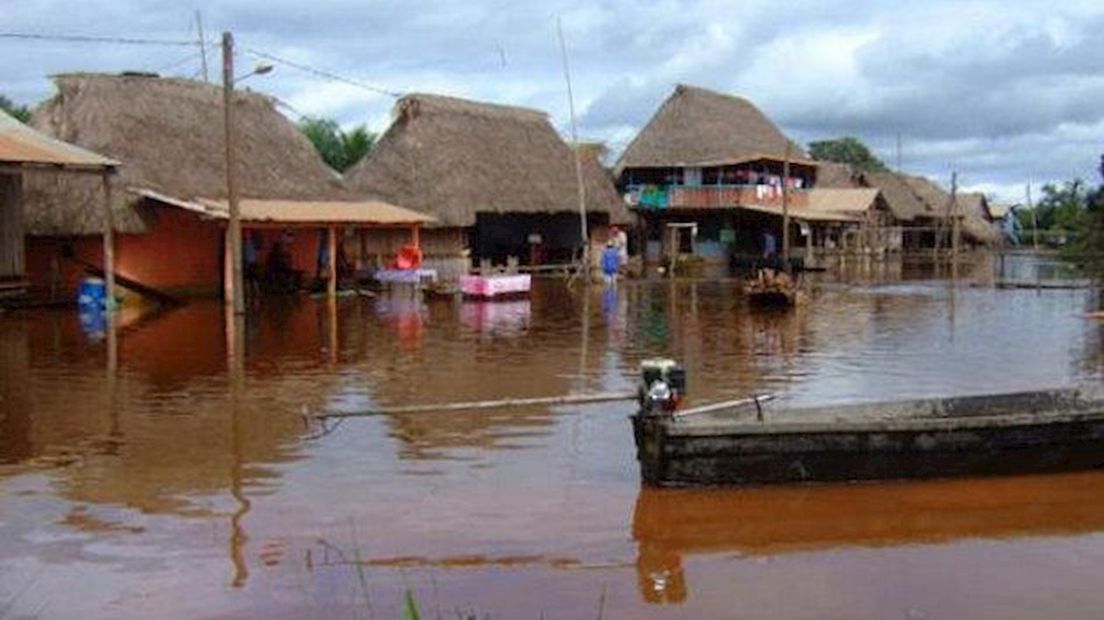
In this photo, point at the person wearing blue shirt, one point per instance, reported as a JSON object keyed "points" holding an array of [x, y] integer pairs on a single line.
{"points": [[611, 263]]}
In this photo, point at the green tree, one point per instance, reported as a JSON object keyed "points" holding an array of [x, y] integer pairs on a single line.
{"points": [[847, 150], [20, 112], [1062, 209], [339, 149], [1092, 243]]}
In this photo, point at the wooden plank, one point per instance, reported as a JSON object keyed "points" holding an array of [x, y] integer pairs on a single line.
{"points": [[12, 252]]}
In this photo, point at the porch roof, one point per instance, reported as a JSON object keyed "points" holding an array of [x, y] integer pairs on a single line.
{"points": [[21, 144], [300, 212]]}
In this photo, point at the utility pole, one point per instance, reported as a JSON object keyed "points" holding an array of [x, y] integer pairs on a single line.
{"points": [[575, 147], [234, 285], [1034, 220], [202, 45], [956, 226], [898, 152], [786, 209]]}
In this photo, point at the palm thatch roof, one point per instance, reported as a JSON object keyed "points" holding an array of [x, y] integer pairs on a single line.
{"points": [[969, 206], [835, 175], [168, 133], [902, 201], [696, 126], [452, 158]]}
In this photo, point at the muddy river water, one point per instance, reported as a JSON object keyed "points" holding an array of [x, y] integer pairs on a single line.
{"points": [[142, 474]]}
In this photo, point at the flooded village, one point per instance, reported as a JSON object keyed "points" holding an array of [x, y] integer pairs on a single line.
{"points": [[236, 382]]}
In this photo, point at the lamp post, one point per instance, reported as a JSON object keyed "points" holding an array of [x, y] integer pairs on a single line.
{"points": [[234, 288]]}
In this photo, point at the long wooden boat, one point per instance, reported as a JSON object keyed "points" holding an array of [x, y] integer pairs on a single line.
{"points": [[1045, 431]]}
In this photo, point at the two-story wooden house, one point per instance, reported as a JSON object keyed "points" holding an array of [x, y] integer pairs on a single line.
{"points": [[707, 174]]}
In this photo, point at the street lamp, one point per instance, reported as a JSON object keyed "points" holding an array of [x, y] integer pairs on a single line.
{"points": [[260, 68]]}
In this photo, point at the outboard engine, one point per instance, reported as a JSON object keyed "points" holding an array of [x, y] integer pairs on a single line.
{"points": [[662, 386]]}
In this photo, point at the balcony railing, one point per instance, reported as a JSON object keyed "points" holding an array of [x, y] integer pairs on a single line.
{"points": [[712, 196]]}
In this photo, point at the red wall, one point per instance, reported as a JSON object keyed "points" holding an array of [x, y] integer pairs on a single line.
{"points": [[180, 254]]}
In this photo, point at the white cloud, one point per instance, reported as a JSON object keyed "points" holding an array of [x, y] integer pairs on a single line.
{"points": [[1000, 91]]}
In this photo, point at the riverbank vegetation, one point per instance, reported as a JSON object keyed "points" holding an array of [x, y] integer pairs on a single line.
{"points": [[1069, 216]]}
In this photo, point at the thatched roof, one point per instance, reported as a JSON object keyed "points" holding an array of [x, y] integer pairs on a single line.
{"points": [[902, 201], [168, 133], [452, 158], [835, 175], [969, 206], [696, 126]]}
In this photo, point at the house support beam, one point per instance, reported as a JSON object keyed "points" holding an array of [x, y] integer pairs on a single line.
{"points": [[331, 280], [108, 243]]}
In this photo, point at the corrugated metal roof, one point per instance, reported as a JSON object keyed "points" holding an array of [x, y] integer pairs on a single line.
{"points": [[20, 144], [855, 201], [330, 212], [298, 211], [826, 205]]}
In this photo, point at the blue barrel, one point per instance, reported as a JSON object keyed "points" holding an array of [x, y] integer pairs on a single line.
{"points": [[92, 293]]}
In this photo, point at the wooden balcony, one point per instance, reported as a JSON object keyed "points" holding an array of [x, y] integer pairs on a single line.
{"points": [[713, 197]]}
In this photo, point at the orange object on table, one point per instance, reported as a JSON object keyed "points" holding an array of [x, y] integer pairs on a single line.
{"points": [[409, 257]]}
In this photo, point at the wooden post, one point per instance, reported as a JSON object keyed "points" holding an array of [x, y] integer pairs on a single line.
{"points": [[108, 244], [786, 209], [809, 245], [956, 232], [1034, 221], [415, 235], [234, 287], [202, 45], [578, 158], [331, 280]]}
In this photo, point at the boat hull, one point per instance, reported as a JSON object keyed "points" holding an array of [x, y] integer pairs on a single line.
{"points": [[674, 454]]}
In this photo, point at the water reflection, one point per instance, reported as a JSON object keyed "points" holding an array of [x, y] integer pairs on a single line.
{"points": [[172, 436], [671, 525]]}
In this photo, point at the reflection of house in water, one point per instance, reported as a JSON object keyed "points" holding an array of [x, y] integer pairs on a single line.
{"points": [[157, 432], [671, 525], [498, 318]]}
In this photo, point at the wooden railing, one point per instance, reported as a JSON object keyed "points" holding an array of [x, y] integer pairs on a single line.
{"points": [[713, 196]]}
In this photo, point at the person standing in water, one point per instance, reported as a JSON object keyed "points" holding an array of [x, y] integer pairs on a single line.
{"points": [[611, 263]]}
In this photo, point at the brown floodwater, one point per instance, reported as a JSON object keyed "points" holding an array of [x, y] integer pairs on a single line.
{"points": [[142, 474]]}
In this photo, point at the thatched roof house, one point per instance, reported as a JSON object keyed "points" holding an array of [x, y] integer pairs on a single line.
{"points": [[697, 126], [969, 206], [902, 201], [834, 175], [453, 158], [169, 134]]}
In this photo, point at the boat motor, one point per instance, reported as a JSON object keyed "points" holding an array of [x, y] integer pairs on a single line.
{"points": [[662, 386]]}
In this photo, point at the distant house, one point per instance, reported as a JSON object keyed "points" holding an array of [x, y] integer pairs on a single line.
{"points": [[170, 197], [715, 163], [970, 209], [498, 179]]}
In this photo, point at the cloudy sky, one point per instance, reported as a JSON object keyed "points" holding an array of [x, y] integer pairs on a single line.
{"points": [[1003, 91]]}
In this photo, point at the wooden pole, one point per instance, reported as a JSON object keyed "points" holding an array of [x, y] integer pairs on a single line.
{"points": [[234, 286], [1034, 220], [956, 231], [108, 244], [809, 245], [331, 274], [578, 157], [786, 209], [485, 404], [416, 235], [202, 45]]}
